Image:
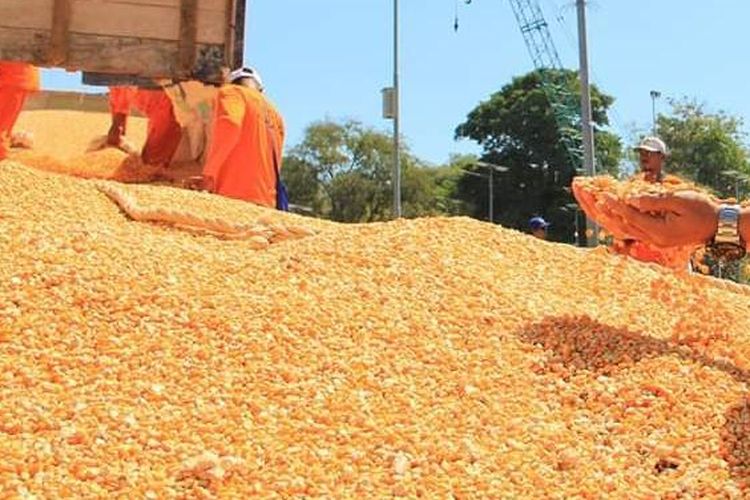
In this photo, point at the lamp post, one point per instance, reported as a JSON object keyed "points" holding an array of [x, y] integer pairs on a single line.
{"points": [[737, 178], [391, 111], [396, 118], [655, 94], [492, 168]]}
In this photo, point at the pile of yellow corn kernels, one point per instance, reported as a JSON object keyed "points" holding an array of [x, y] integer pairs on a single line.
{"points": [[107, 163], [437, 357]]}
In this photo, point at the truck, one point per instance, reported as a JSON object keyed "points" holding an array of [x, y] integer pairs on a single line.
{"points": [[126, 41]]}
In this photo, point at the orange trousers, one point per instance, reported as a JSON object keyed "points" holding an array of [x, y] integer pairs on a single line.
{"points": [[11, 103]]}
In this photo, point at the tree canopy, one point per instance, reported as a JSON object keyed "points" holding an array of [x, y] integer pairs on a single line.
{"points": [[705, 147], [343, 171], [516, 128]]}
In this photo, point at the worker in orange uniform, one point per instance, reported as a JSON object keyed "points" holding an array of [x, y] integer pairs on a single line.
{"points": [[17, 81], [652, 153], [244, 155], [164, 133]]}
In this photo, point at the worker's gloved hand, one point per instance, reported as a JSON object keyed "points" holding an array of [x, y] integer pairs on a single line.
{"points": [[127, 146], [22, 139], [117, 129], [679, 219], [114, 136], [102, 142], [198, 183]]}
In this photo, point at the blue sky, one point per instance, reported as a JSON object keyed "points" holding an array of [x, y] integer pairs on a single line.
{"points": [[330, 59]]}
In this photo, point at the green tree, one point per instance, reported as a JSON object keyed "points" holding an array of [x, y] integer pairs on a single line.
{"points": [[342, 171], [516, 128], [303, 184], [447, 179], [705, 147]]}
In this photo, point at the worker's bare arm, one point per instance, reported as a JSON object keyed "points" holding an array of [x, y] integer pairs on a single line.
{"points": [[678, 219]]}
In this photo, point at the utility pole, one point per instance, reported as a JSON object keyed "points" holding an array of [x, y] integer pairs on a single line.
{"points": [[586, 124], [396, 119], [587, 127], [655, 94]]}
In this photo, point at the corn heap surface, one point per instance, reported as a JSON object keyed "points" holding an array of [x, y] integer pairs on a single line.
{"points": [[64, 134], [67, 152], [435, 357]]}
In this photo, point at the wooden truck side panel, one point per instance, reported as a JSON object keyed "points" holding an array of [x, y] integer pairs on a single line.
{"points": [[144, 38]]}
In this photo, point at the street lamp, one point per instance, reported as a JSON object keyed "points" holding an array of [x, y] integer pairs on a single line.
{"points": [[396, 119], [391, 111], [492, 168], [655, 94], [738, 178]]}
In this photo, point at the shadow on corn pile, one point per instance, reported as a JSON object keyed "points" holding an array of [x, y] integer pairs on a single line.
{"points": [[736, 442], [581, 343]]}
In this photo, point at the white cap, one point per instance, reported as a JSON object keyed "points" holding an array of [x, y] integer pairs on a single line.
{"points": [[246, 72], [653, 144]]}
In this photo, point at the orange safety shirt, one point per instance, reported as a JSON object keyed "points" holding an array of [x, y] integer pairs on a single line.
{"points": [[240, 161], [20, 76], [152, 103], [642, 251], [675, 258], [164, 133], [645, 252]]}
